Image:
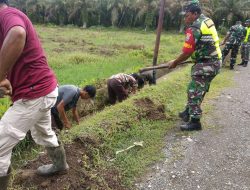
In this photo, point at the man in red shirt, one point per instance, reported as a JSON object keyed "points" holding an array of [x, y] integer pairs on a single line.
{"points": [[32, 85]]}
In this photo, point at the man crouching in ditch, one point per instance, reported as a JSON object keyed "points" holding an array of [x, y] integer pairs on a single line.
{"points": [[119, 86], [32, 85], [202, 45], [67, 99]]}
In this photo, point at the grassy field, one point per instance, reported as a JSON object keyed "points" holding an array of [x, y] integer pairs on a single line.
{"points": [[88, 56], [80, 56]]}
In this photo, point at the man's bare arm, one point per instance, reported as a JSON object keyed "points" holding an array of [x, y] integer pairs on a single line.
{"points": [[76, 115], [62, 113], [11, 49]]}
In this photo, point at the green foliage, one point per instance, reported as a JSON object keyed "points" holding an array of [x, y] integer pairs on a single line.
{"points": [[125, 13], [4, 104], [25, 150], [98, 53], [231, 11]]}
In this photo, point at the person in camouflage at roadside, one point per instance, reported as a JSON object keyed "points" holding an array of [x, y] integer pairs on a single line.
{"points": [[233, 41], [245, 48], [202, 45]]}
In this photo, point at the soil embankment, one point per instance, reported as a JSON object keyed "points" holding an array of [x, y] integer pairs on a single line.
{"points": [[86, 107]]}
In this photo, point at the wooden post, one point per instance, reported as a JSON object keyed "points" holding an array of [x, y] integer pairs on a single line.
{"points": [[158, 37]]}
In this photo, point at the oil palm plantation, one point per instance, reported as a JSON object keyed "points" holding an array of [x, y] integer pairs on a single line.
{"points": [[232, 10]]}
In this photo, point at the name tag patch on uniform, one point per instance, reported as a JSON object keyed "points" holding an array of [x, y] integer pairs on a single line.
{"points": [[209, 23]]}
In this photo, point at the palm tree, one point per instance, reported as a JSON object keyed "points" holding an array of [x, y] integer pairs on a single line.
{"points": [[78, 14], [147, 10], [20, 4], [232, 10], [56, 12], [115, 7]]}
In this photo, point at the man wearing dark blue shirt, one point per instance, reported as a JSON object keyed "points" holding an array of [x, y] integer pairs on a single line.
{"points": [[67, 100]]}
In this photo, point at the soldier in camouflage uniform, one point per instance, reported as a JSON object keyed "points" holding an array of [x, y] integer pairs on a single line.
{"points": [[202, 45], [233, 41], [245, 48]]}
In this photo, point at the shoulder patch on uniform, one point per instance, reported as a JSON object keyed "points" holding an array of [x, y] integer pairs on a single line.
{"points": [[188, 36], [209, 23]]}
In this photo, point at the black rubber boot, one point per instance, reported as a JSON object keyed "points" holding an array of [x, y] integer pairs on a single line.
{"points": [[185, 115], [193, 125], [245, 64], [231, 67], [4, 181]]}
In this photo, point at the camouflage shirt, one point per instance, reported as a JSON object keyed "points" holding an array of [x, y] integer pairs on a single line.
{"points": [[236, 34], [202, 40], [125, 80]]}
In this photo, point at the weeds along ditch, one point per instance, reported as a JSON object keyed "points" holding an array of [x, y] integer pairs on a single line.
{"points": [[90, 146], [85, 108]]}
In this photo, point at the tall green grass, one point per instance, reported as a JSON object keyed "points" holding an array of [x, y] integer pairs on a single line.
{"points": [[84, 56], [80, 56]]}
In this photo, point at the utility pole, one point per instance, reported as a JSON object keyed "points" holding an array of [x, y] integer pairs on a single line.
{"points": [[158, 37]]}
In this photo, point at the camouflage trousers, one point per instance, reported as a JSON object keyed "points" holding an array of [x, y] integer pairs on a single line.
{"points": [[202, 74], [245, 49], [234, 52]]}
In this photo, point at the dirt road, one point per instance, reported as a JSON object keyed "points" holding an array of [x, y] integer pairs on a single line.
{"points": [[216, 158]]}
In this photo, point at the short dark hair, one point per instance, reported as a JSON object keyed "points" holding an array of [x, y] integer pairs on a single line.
{"points": [[139, 79], [91, 90]]}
